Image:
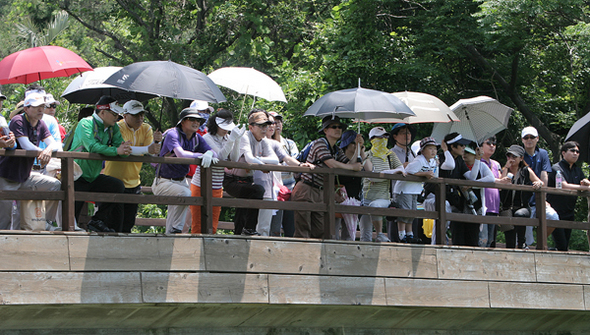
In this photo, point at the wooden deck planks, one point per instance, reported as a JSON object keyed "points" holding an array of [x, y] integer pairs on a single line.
{"points": [[485, 264], [38, 253], [20, 288], [114, 253]]}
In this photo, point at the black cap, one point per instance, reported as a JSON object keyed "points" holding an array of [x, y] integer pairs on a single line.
{"points": [[190, 112]]}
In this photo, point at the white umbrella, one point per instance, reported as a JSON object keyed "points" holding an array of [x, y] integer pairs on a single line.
{"points": [[481, 117], [89, 87], [248, 81], [351, 220], [427, 108]]}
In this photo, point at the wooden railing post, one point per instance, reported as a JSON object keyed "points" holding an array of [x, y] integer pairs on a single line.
{"points": [[67, 185], [542, 217], [441, 208], [329, 200], [207, 195]]}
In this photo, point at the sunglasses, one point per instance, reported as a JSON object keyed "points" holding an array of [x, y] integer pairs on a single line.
{"points": [[51, 106], [193, 119], [490, 143], [336, 127], [529, 137], [511, 156], [576, 151]]}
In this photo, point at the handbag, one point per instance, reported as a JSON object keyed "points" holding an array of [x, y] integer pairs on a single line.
{"points": [[507, 213]]}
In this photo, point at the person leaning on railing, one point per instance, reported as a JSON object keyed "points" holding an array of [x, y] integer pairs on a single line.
{"points": [[517, 202], [377, 192], [100, 134], [573, 178], [15, 172], [323, 153], [143, 141], [170, 180], [223, 136]]}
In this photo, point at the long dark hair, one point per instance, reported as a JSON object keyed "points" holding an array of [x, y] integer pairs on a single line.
{"points": [[212, 126]]}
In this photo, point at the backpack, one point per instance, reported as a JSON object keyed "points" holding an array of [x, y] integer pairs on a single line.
{"points": [[302, 155], [70, 137]]}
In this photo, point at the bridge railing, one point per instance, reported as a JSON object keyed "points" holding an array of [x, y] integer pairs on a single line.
{"points": [[68, 196]]}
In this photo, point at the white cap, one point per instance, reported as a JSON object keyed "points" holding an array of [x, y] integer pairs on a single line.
{"points": [[50, 100], [201, 105], [225, 124], [35, 99], [529, 131], [27, 93], [378, 132], [133, 107]]}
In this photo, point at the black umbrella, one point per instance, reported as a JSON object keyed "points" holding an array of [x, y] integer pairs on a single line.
{"points": [[89, 87], [580, 132], [166, 79]]}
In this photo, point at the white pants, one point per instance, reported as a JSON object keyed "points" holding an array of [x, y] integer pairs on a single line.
{"points": [[35, 182], [265, 219], [176, 216]]}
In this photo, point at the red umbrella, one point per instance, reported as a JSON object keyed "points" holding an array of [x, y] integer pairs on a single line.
{"points": [[49, 61]]}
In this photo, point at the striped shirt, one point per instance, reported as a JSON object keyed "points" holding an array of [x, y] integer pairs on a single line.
{"points": [[318, 154], [216, 143], [374, 188]]}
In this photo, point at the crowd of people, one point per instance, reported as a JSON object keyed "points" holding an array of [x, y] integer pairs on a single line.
{"points": [[112, 129]]}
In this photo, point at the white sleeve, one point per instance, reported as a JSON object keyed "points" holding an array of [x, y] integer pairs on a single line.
{"points": [[140, 151], [486, 174], [53, 144], [247, 151], [26, 144], [449, 163]]}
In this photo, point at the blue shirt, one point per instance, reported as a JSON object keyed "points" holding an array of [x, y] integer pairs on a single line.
{"points": [[538, 162]]}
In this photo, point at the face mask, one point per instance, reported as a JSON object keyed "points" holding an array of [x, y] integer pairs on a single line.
{"points": [[379, 147]]}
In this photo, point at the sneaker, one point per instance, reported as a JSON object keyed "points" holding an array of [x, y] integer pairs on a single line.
{"points": [[381, 237], [249, 232], [175, 231], [404, 240], [414, 240], [99, 226], [50, 227]]}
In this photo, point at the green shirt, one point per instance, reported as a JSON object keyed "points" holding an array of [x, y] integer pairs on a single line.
{"points": [[91, 136]]}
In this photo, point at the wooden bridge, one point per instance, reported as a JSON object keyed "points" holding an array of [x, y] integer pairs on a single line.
{"points": [[74, 282], [99, 284]]}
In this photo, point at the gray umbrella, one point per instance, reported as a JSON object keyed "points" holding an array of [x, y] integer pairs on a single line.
{"points": [[166, 79], [580, 132], [361, 104], [89, 87]]}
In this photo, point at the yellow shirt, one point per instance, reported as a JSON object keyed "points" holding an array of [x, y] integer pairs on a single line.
{"points": [[128, 172]]}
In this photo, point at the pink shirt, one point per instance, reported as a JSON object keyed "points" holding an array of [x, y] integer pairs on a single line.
{"points": [[493, 194]]}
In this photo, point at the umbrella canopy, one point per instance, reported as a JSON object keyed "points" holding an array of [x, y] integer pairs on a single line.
{"points": [[166, 79], [427, 108], [245, 80], [89, 87], [359, 103], [580, 132], [33, 64], [481, 117]]}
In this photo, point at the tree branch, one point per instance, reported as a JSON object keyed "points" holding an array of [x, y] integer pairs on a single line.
{"points": [[549, 136], [118, 43]]}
